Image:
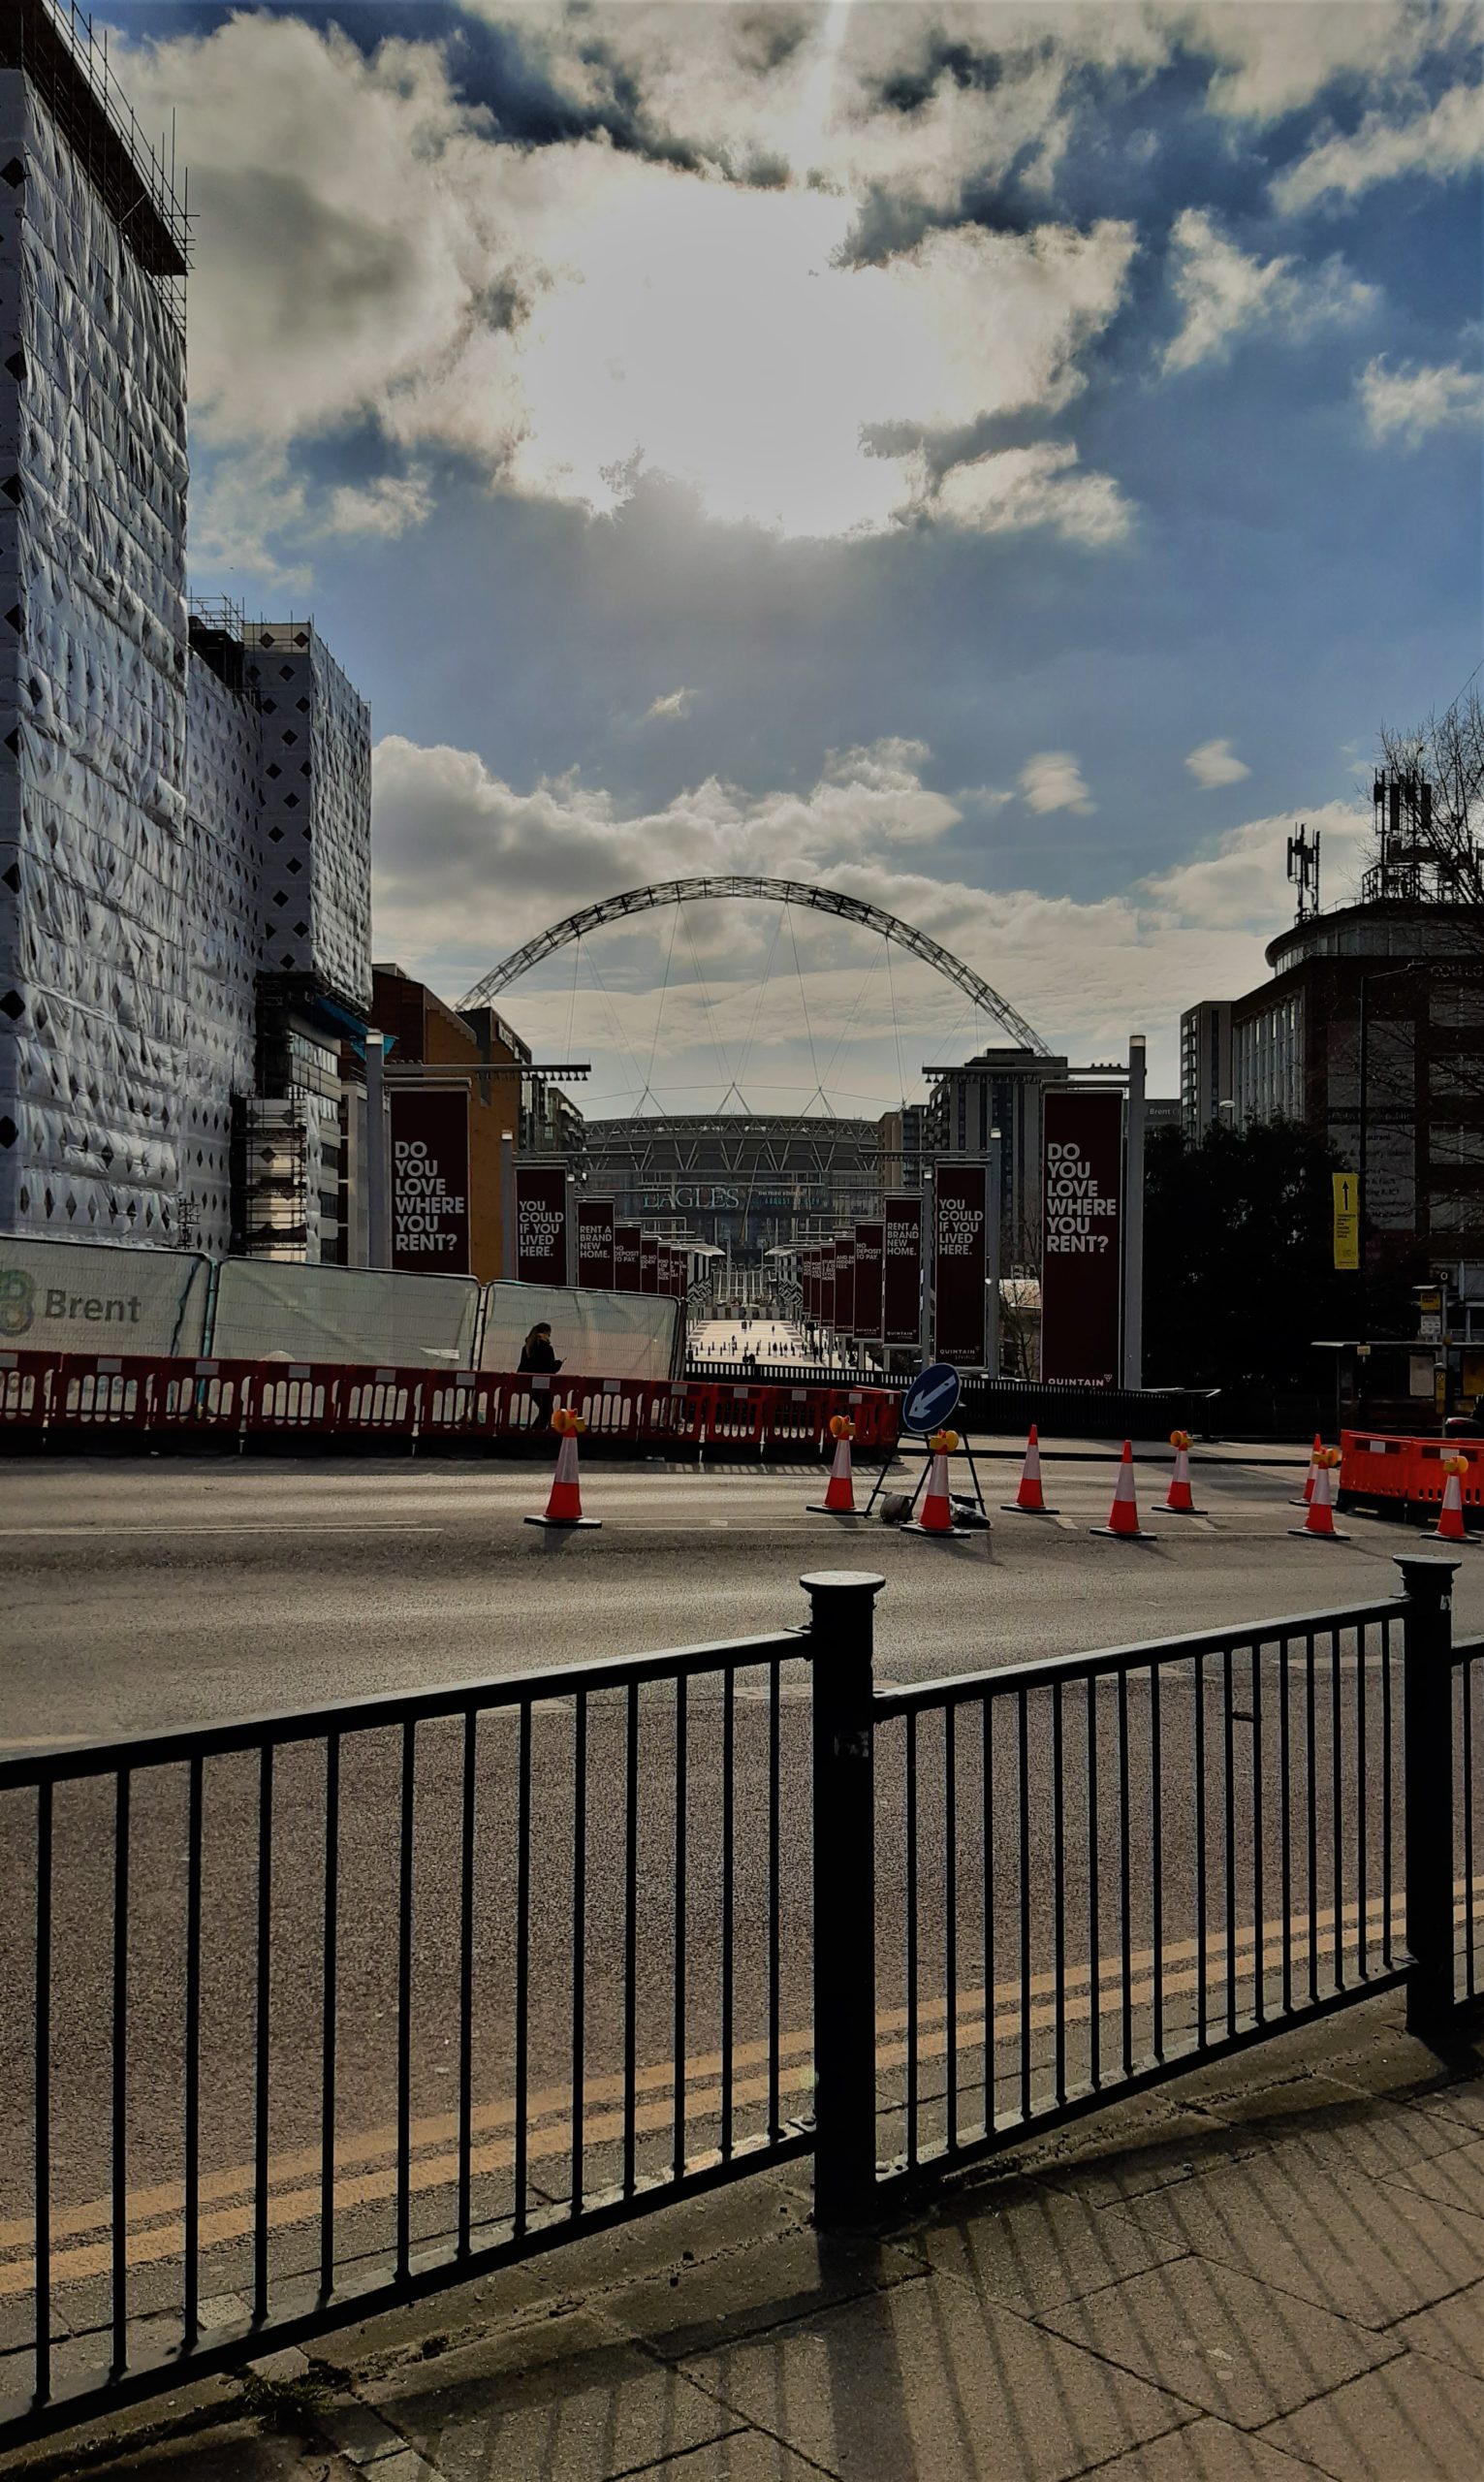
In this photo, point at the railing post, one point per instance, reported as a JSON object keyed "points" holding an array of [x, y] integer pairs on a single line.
{"points": [[842, 1605], [1429, 1794]]}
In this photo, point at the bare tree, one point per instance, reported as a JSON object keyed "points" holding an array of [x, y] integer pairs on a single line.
{"points": [[1446, 755]]}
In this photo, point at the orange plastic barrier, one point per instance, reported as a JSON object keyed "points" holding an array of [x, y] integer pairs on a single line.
{"points": [[1375, 1465], [293, 1396], [237, 1400], [25, 1391], [203, 1396], [1428, 1477]]}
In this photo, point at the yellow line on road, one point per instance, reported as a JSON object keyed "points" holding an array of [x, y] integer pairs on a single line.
{"points": [[369, 2179]]}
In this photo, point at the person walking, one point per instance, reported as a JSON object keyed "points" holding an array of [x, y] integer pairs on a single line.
{"points": [[538, 1355]]}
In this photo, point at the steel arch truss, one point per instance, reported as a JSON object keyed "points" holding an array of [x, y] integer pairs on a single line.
{"points": [[846, 908]]}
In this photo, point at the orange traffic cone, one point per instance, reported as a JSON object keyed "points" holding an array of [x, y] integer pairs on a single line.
{"points": [[1320, 1524], [937, 1507], [1178, 1496], [1450, 1526], [1124, 1515], [564, 1508], [839, 1498], [1028, 1500], [1315, 1455]]}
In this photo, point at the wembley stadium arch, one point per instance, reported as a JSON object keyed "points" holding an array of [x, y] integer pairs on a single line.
{"points": [[744, 1180]]}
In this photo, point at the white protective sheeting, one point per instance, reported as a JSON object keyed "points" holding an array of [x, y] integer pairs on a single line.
{"points": [[94, 850], [70, 1298], [597, 1335], [273, 1310]]}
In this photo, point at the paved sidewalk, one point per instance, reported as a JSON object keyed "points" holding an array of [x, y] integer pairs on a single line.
{"points": [[1273, 2270]]}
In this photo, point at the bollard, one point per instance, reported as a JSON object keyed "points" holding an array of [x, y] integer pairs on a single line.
{"points": [[1427, 1794], [842, 1605]]}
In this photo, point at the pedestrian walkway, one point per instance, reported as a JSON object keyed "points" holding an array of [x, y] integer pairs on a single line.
{"points": [[1273, 2269]]}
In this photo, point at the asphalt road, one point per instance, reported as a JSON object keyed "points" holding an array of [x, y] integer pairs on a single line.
{"points": [[143, 1594], [163, 1591]]}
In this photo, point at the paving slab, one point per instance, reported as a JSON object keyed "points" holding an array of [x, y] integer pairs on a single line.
{"points": [[558, 2398], [1221, 2339], [1032, 2246], [235, 2452], [1417, 2420], [1451, 2329], [1206, 2451], [1133, 2149], [920, 2380], [701, 2308], [743, 2455], [1453, 2174], [1373, 2250]]}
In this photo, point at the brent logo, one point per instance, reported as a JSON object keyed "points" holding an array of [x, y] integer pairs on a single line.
{"points": [[18, 1301]]}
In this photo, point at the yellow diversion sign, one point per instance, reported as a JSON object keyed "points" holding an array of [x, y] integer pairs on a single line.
{"points": [[1346, 1220]]}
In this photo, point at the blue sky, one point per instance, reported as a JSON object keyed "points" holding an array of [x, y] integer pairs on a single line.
{"points": [[1003, 462]]}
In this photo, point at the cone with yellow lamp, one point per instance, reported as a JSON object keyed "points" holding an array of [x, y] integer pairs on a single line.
{"points": [[1029, 1500], [938, 1507], [840, 1497], [1320, 1524], [564, 1508], [1177, 1497], [1123, 1524], [1450, 1526]]}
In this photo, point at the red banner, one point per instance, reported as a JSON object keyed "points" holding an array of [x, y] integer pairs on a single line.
{"points": [[868, 1280], [1082, 1202], [541, 1223], [429, 1132], [901, 1271], [648, 1262], [596, 1244], [826, 1285], [844, 1282], [960, 1199], [810, 1265], [626, 1238]]}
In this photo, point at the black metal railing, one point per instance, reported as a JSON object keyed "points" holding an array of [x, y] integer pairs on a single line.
{"points": [[315, 2012], [320, 2013], [1078, 1877], [1466, 1692]]}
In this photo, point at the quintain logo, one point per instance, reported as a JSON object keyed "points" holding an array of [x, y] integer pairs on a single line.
{"points": [[18, 1301]]}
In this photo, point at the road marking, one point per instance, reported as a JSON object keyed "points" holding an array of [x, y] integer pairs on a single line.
{"points": [[294, 2191]]}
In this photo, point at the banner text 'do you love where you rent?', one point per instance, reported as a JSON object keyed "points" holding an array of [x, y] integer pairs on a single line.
{"points": [[1081, 1208]]}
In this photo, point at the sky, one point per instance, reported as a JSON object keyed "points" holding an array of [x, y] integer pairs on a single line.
{"points": [[1002, 462]]}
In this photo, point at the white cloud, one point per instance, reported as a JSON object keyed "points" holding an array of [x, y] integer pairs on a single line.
{"points": [[387, 506], [367, 251], [1051, 780], [677, 702], [1275, 58], [1441, 142], [1226, 295], [1416, 399], [1010, 488], [467, 868], [1216, 762]]}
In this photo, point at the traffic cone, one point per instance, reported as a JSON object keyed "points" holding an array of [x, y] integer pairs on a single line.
{"points": [[1124, 1515], [1320, 1524], [839, 1498], [1178, 1496], [1315, 1455], [564, 1508], [1450, 1526], [937, 1507], [1028, 1500]]}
